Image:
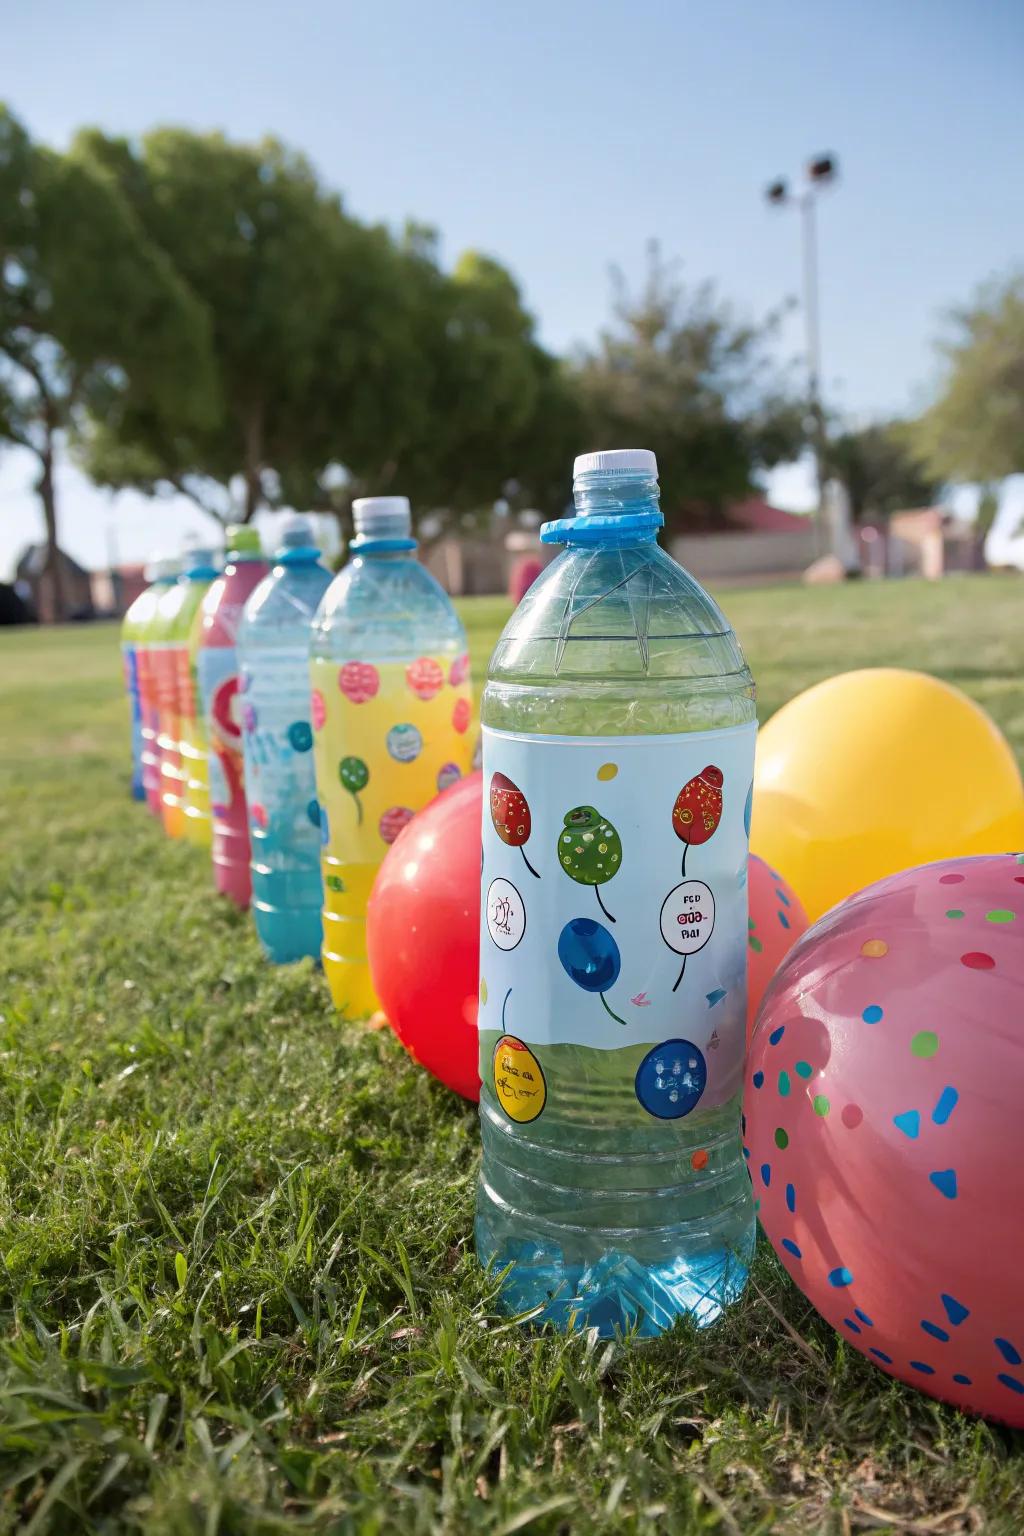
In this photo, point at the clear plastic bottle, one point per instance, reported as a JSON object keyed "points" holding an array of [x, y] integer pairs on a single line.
{"points": [[148, 660], [277, 737], [217, 674], [177, 612], [195, 758], [133, 636], [392, 713], [618, 747]]}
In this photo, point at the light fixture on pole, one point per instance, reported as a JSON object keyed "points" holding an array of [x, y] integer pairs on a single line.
{"points": [[820, 172]]}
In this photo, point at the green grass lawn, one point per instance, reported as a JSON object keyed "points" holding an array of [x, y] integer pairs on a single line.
{"points": [[238, 1291]]}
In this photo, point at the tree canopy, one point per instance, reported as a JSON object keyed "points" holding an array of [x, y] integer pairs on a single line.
{"points": [[880, 470], [975, 428], [90, 312], [678, 373]]}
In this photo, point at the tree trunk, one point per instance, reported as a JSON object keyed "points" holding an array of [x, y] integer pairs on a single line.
{"points": [[253, 465], [52, 583]]}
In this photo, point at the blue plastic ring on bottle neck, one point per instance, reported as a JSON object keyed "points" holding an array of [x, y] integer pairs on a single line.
{"points": [[618, 530], [297, 554], [361, 546]]}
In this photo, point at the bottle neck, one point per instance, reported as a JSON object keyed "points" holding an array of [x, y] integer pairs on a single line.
{"points": [[614, 509], [382, 549], [301, 555]]}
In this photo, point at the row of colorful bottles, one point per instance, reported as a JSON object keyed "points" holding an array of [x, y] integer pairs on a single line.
{"points": [[294, 724], [618, 740]]}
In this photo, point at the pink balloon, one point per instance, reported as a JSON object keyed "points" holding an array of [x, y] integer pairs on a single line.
{"points": [[884, 1132], [776, 922]]}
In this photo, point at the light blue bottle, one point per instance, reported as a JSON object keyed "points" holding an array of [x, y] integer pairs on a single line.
{"points": [[277, 740], [618, 744]]}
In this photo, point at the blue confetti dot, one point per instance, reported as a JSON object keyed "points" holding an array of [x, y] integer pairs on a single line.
{"points": [[840, 1276], [1009, 1354], [783, 919], [780, 893], [776, 1035], [909, 1122], [919, 1365], [791, 1207], [872, 1014], [880, 1354], [946, 1105], [757, 1079], [863, 1317], [1011, 1382], [746, 1153], [955, 1310], [944, 1180], [965, 1381], [766, 1174], [791, 1247], [848, 1322], [935, 1331], [313, 812]]}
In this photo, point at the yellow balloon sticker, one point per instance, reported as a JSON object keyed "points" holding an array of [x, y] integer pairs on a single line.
{"points": [[607, 771], [518, 1080]]}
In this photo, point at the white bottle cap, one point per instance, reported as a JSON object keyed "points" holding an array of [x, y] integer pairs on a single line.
{"points": [[382, 517], [617, 460]]}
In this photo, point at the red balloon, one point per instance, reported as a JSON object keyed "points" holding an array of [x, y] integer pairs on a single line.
{"points": [[423, 935], [698, 807], [776, 922]]}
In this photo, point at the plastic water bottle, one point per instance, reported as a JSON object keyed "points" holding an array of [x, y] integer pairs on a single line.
{"points": [[217, 674], [618, 751], [133, 637], [177, 612], [198, 824], [148, 658], [277, 736], [392, 710]]}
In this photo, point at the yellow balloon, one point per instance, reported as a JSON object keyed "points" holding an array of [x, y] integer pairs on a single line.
{"points": [[874, 771]]}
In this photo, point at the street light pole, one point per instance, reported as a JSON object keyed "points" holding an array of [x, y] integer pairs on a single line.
{"points": [[821, 171]]}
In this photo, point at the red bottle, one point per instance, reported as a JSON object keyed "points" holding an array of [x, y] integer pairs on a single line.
{"points": [[217, 675]]}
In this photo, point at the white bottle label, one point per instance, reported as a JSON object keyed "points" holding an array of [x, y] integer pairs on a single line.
{"points": [[614, 913]]}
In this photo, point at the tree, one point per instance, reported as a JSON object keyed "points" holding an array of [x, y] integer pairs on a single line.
{"points": [[346, 362], [880, 472], [89, 309], [975, 429], [270, 257], [679, 374]]}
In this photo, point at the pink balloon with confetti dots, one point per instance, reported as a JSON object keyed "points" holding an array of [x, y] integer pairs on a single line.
{"points": [[775, 921], [461, 715], [883, 1126]]}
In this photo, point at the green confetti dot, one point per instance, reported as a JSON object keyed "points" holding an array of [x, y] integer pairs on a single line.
{"points": [[781, 1139], [821, 1104], [783, 1084], [954, 912], [925, 1043], [803, 1069], [757, 1205], [755, 944], [1000, 915]]}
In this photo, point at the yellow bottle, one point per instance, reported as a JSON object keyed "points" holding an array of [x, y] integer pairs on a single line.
{"points": [[392, 715]]}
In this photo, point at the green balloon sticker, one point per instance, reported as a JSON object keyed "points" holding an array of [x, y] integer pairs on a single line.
{"points": [[590, 850]]}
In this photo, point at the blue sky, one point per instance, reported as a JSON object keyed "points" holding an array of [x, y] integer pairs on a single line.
{"points": [[561, 136]]}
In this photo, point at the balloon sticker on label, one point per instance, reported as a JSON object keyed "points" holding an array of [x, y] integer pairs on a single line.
{"points": [[404, 743], [506, 914], [687, 919], [590, 850], [671, 1079], [519, 1084]]}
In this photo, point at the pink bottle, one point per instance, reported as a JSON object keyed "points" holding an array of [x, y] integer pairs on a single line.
{"points": [[217, 675]]}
